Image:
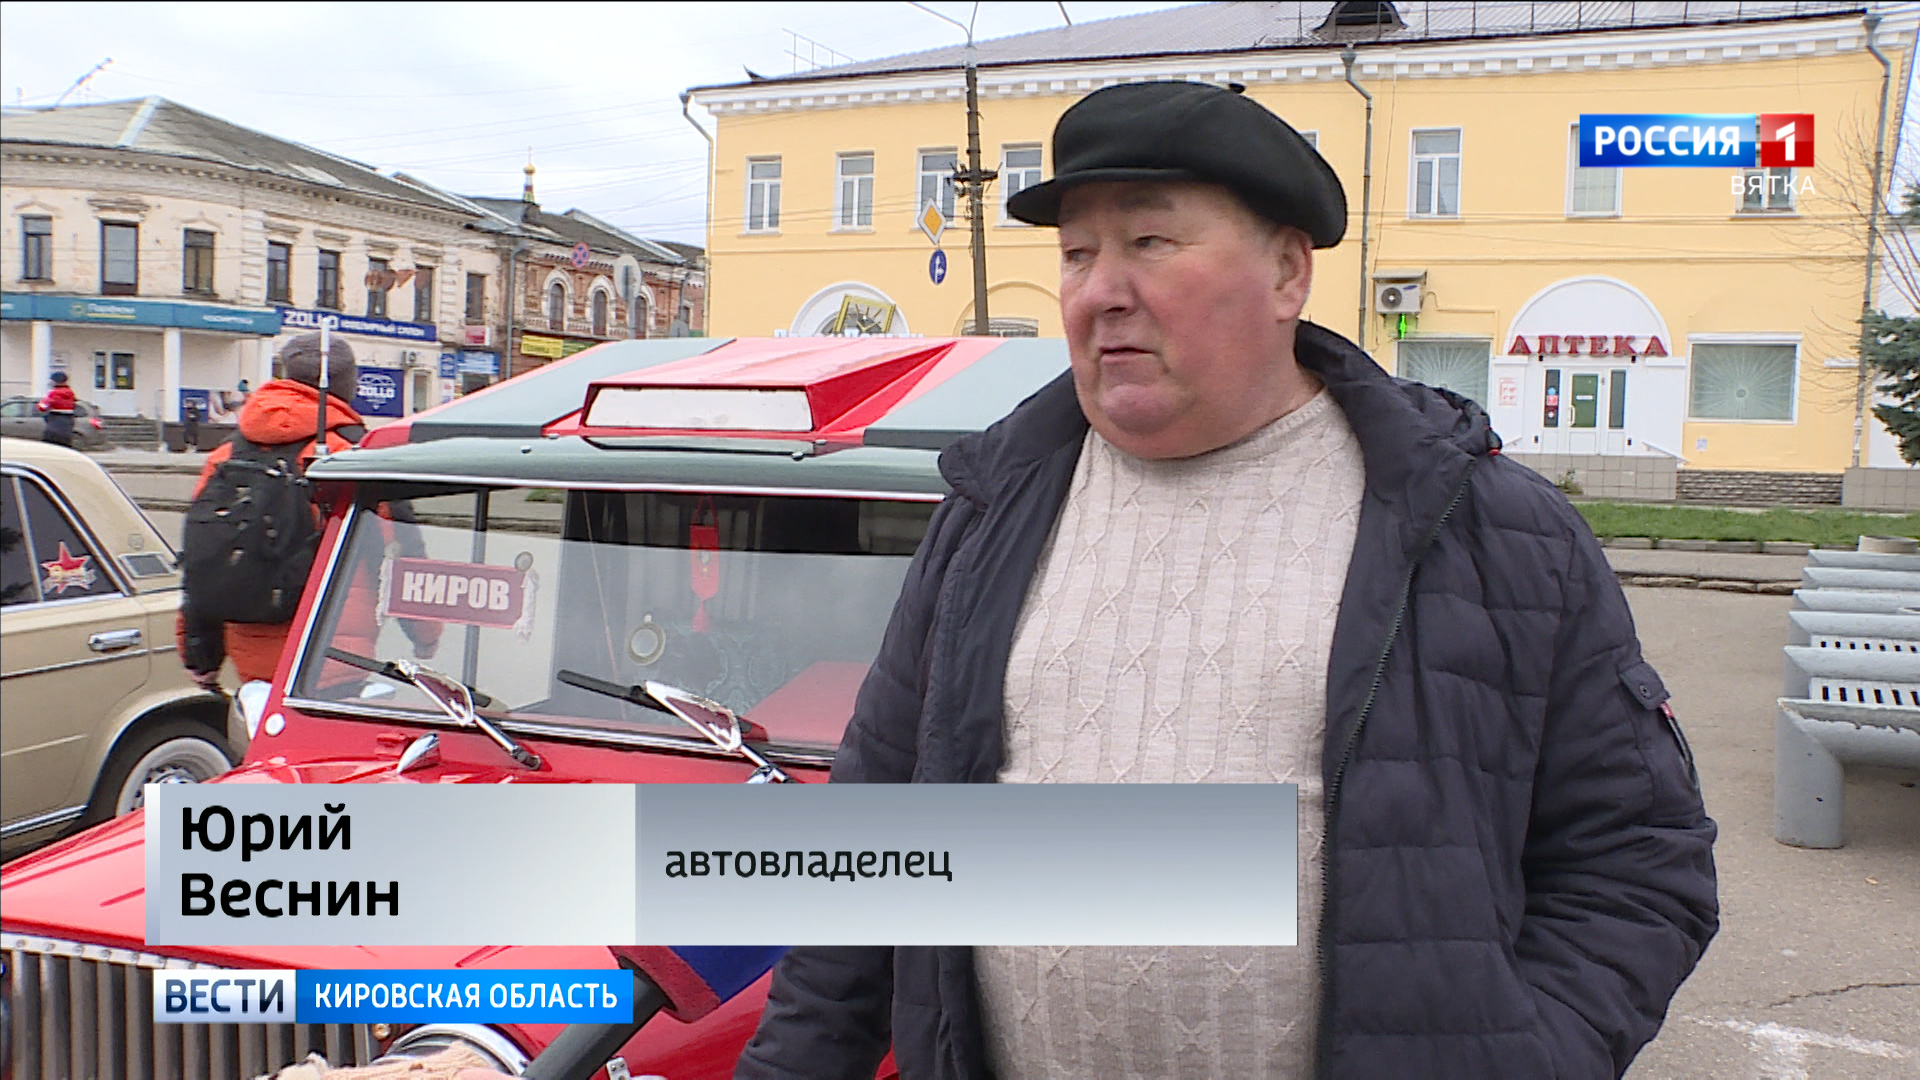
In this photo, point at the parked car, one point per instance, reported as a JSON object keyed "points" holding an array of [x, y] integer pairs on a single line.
{"points": [[93, 702], [731, 517], [19, 419]]}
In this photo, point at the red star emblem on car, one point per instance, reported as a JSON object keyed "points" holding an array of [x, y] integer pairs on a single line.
{"points": [[69, 571]]}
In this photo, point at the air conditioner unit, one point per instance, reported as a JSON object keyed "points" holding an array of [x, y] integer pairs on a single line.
{"points": [[410, 358], [1398, 292]]}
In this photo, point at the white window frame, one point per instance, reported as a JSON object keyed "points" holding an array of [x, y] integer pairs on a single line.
{"points": [[1413, 172], [1399, 363], [1006, 191], [1799, 363], [770, 187], [1766, 208], [846, 218], [1574, 169], [951, 204]]}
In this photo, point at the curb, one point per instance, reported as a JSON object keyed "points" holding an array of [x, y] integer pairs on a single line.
{"points": [[1729, 547], [1688, 581]]}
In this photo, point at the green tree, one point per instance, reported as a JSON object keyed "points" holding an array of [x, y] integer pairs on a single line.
{"points": [[1893, 351]]}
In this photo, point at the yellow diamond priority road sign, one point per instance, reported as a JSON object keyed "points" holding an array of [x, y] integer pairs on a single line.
{"points": [[932, 221]]}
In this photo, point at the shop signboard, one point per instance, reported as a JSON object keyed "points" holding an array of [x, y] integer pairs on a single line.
{"points": [[479, 362], [539, 345], [378, 392], [303, 319], [449, 365], [80, 309]]}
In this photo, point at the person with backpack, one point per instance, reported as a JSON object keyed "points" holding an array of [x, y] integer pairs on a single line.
{"points": [[59, 405], [252, 530]]}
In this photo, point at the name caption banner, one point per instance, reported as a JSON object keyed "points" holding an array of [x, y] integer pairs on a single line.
{"points": [[802, 864]]}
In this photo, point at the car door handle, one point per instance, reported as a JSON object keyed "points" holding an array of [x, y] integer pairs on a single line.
{"points": [[113, 640]]}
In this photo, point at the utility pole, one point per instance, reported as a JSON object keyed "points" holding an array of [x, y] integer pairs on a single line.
{"points": [[977, 180], [974, 179]]}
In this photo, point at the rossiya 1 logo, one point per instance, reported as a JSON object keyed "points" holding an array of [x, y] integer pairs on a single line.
{"points": [[1703, 140]]}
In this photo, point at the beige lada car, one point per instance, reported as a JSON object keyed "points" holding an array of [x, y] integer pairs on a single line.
{"points": [[93, 701]]}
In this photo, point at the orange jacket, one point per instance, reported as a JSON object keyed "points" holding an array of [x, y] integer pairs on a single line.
{"points": [[279, 412]]}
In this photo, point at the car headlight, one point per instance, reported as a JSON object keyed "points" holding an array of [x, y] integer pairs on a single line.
{"points": [[430, 1039]]}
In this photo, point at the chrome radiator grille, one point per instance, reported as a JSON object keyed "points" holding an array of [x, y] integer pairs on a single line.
{"points": [[85, 1012]]}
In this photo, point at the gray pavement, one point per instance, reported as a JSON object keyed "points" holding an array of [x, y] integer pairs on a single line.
{"points": [[1815, 974]]}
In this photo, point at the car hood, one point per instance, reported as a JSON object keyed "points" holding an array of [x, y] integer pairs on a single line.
{"points": [[91, 888]]}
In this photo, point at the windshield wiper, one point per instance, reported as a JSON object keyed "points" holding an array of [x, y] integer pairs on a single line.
{"points": [[454, 698], [722, 726], [391, 670]]}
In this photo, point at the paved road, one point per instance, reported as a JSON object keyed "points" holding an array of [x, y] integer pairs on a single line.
{"points": [[1816, 972]]}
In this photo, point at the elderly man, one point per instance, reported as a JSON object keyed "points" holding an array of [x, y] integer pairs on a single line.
{"points": [[1231, 549]]}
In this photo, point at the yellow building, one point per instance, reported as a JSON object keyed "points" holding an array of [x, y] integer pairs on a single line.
{"points": [[1643, 328]]}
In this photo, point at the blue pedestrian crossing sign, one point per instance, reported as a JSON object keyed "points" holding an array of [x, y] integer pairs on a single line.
{"points": [[937, 266]]}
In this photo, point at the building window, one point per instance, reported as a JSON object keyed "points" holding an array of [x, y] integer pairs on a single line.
{"points": [[1590, 192], [113, 371], [1743, 381], [476, 299], [854, 207], [1312, 137], [1019, 170], [600, 305], [1012, 326], [119, 258], [936, 180], [1436, 173], [377, 271], [279, 272], [1766, 191], [640, 315], [326, 290], [763, 194], [197, 266], [556, 306], [423, 278], [36, 248], [1459, 366]]}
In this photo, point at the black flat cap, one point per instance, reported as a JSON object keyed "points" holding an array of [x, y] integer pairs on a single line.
{"points": [[1191, 131]]}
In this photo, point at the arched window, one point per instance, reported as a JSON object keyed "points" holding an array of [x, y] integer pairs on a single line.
{"points": [[640, 316], [556, 306], [600, 313]]}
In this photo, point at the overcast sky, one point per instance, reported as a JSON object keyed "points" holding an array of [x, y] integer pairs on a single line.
{"points": [[457, 93]]}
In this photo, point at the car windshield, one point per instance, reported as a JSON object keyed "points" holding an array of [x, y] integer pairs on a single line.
{"points": [[770, 604]]}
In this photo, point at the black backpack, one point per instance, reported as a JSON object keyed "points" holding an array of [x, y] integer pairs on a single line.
{"points": [[251, 536]]}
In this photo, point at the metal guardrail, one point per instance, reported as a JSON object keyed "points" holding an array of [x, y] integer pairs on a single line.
{"points": [[1851, 689], [1861, 600], [1862, 560], [1841, 577], [1854, 631]]}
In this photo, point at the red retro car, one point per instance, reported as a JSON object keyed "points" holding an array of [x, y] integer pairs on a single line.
{"points": [[733, 517]]}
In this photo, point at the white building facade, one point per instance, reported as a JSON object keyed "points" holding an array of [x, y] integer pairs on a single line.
{"points": [[161, 256]]}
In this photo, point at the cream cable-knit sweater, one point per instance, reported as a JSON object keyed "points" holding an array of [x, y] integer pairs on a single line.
{"points": [[1178, 630]]}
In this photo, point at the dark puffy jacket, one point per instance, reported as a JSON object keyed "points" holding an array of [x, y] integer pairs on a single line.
{"points": [[1519, 867]]}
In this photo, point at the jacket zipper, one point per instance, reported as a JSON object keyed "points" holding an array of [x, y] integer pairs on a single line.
{"points": [[1332, 799]]}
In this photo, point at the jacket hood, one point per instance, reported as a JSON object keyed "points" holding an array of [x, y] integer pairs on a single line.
{"points": [[284, 411], [1405, 429]]}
